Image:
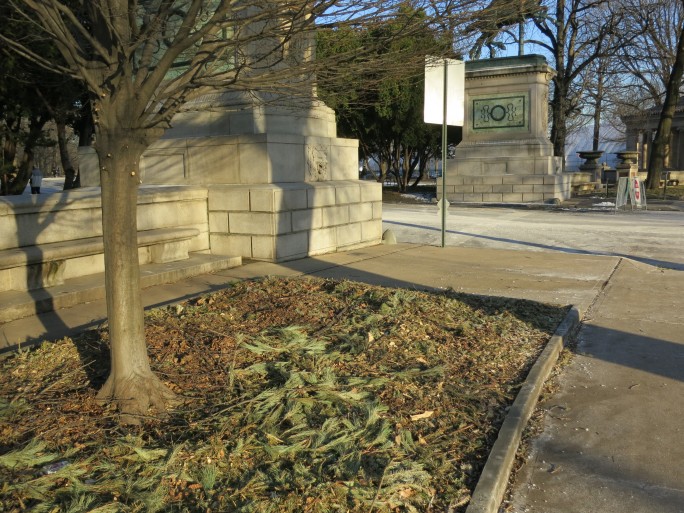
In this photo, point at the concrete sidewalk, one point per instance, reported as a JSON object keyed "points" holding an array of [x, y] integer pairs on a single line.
{"points": [[612, 439], [553, 278], [612, 432]]}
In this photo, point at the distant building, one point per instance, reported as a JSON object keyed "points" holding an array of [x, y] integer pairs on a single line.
{"points": [[641, 129]]}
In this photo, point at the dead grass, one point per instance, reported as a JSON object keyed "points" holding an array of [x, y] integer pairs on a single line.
{"points": [[302, 395]]}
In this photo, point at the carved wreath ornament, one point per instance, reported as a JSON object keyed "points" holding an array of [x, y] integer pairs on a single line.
{"points": [[317, 162]]}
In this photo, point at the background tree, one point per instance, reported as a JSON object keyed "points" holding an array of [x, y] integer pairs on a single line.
{"points": [[575, 33], [649, 33], [31, 97], [651, 62], [382, 105], [656, 163]]}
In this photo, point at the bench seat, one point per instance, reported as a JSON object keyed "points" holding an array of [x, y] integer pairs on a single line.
{"points": [[32, 267]]}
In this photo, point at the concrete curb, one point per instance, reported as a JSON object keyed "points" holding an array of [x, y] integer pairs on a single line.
{"points": [[493, 481]]}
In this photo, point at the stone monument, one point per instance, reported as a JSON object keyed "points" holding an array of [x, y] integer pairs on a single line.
{"points": [[505, 155], [281, 184]]}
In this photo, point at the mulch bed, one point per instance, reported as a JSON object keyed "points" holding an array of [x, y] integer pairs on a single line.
{"points": [[301, 395]]}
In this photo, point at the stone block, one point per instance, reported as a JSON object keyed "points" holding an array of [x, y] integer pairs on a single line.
{"points": [[345, 194], [455, 197], [473, 198], [348, 234], [371, 231], [308, 219], [210, 163], [293, 245], [255, 164], [261, 200], [377, 209], [164, 166], [319, 196], [171, 251], [370, 191], [256, 223], [532, 196], [482, 188], [263, 247], [238, 245], [361, 212], [502, 188], [288, 163], [533, 180], [548, 188], [218, 222], [228, 198], [544, 166], [337, 215], [512, 197], [322, 241], [82, 266], [344, 160], [189, 213], [492, 197], [512, 179], [290, 199], [463, 189], [523, 188], [494, 168], [200, 243], [493, 180]]}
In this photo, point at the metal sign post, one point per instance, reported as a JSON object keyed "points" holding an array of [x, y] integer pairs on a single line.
{"points": [[445, 109]]}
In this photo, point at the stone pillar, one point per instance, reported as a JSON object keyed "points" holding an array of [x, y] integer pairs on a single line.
{"points": [[505, 155]]}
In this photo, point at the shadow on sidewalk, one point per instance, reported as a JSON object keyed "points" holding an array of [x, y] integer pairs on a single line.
{"points": [[650, 261]]}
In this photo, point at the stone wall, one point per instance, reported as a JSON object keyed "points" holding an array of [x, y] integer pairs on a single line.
{"points": [[32, 223], [284, 221]]}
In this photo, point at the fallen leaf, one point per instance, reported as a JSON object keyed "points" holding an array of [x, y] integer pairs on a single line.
{"points": [[425, 415]]}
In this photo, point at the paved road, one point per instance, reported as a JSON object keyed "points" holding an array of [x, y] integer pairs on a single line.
{"points": [[652, 237]]}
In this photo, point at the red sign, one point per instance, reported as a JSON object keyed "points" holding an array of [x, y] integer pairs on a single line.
{"points": [[637, 190]]}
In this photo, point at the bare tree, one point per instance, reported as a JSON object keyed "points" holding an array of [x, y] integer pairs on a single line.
{"points": [[575, 33], [656, 162], [649, 34], [142, 61]]}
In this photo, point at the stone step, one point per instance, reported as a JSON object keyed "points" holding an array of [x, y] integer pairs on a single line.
{"points": [[20, 304]]}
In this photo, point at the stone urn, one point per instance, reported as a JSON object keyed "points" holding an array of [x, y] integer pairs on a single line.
{"points": [[628, 163], [628, 156], [591, 164]]}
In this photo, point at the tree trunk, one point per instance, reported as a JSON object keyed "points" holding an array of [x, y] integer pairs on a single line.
{"points": [[600, 77], [656, 163], [558, 127], [131, 386], [21, 180], [64, 157]]}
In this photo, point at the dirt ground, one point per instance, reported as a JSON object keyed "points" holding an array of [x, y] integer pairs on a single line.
{"points": [[299, 395]]}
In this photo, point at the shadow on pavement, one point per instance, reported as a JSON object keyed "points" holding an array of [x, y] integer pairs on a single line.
{"points": [[650, 261]]}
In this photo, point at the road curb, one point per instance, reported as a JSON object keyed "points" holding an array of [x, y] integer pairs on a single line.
{"points": [[491, 486]]}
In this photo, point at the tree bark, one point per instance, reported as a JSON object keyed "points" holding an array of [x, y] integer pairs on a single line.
{"points": [[18, 183], [131, 386], [656, 163], [64, 157]]}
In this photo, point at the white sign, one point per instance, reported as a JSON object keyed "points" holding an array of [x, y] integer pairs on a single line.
{"points": [[630, 189], [434, 91]]}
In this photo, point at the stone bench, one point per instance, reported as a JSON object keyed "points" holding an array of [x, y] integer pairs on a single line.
{"points": [[43, 265]]}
